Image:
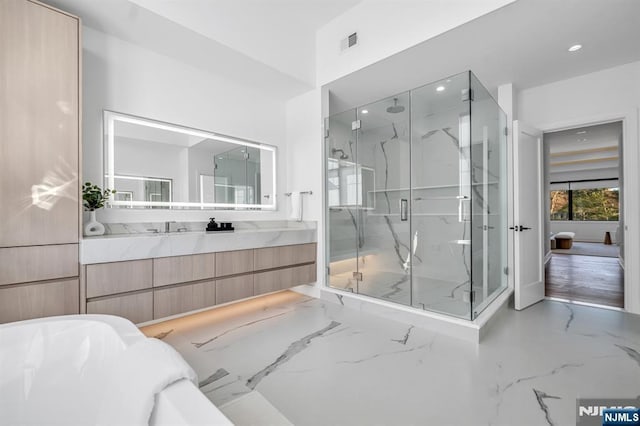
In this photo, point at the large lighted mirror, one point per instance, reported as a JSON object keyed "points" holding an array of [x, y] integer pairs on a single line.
{"points": [[152, 164]]}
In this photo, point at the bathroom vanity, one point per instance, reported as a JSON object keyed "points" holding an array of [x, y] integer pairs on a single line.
{"points": [[143, 277]]}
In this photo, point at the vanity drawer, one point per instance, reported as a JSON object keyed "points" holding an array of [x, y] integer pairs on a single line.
{"points": [[180, 269], [23, 302], [136, 307], [38, 263], [298, 275], [119, 277], [280, 279], [234, 262], [185, 298], [235, 288], [274, 257], [266, 282]]}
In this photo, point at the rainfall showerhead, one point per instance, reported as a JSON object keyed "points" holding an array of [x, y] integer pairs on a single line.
{"points": [[343, 156], [395, 109]]}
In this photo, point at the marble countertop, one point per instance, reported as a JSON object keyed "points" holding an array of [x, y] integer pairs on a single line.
{"points": [[133, 246]]}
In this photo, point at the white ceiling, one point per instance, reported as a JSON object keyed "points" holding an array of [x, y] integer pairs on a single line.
{"points": [[278, 33], [524, 43], [268, 45]]}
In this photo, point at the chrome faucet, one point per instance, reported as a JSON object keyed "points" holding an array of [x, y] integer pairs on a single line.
{"points": [[167, 226]]}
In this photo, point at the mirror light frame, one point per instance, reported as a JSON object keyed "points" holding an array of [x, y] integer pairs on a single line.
{"points": [[108, 142]]}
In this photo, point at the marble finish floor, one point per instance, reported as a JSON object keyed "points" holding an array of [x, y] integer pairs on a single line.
{"points": [[321, 363]]}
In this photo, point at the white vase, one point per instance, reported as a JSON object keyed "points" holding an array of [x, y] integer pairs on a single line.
{"points": [[93, 227]]}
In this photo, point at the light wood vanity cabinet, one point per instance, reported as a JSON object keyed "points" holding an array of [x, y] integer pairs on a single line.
{"points": [[172, 285], [39, 110], [136, 307], [184, 298], [38, 263], [179, 269], [236, 288], [38, 300], [274, 257], [39, 161], [234, 262], [118, 277], [281, 279]]}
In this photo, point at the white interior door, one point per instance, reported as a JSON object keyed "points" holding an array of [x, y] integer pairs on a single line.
{"points": [[528, 220]]}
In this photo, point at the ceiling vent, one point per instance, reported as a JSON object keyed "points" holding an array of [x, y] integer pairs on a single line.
{"points": [[350, 41]]}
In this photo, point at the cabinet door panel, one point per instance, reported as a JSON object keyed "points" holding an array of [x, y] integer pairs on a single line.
{"points": [[300, 275], [136, 308], [37, 263], [37, 300], [118, 277], [280, 279], [274, 257], [175, 300], [180, 269], [39, 104], [234, 262], [266, 282], [229, 289]]}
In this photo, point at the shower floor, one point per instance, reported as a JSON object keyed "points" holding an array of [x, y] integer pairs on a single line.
{"points": [[436, 295]]}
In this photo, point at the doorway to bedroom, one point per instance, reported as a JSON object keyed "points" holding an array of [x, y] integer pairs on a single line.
{"points": [[584, 223]]}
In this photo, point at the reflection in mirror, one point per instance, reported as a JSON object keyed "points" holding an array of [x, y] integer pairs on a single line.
{"points": [[152, 164]]}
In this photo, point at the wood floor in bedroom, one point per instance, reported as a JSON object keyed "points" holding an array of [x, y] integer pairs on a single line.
{"points": [[590, 279]]}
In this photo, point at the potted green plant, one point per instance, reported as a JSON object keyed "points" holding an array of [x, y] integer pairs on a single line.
{"points": [[94, 198]]}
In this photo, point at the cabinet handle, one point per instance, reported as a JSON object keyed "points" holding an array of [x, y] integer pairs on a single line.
{"points": [[404, 210]]}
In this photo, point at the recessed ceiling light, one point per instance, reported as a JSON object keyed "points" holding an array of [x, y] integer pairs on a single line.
{"points": [[575, 48], [365, 111], [448, 80], [581, 132], [440, 88]]}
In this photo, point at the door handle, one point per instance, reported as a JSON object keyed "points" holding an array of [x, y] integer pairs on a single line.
{"points": [[523, 228], [515, 228], [404, 210]]}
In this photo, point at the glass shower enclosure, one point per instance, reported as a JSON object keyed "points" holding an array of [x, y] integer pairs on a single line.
{"points": [[416, 191]]}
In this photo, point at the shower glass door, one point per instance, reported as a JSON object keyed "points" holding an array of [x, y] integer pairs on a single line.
{"points": [[344, 234], [383, 155], [441, 194], [489, 206]]}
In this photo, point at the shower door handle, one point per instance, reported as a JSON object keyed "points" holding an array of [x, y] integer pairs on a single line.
{"points": [[404, 210]]}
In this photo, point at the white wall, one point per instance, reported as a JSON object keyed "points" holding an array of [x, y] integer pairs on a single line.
{"points": [[305, 161], [607, 95], [611, 91], [125, 77], [592, 232], [386, 27]]}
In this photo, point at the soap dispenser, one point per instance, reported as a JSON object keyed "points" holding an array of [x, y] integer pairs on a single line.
{"points": [[212, 225]]}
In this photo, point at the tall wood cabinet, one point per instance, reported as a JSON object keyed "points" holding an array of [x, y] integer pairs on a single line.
{"points": [[39, 161]]}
